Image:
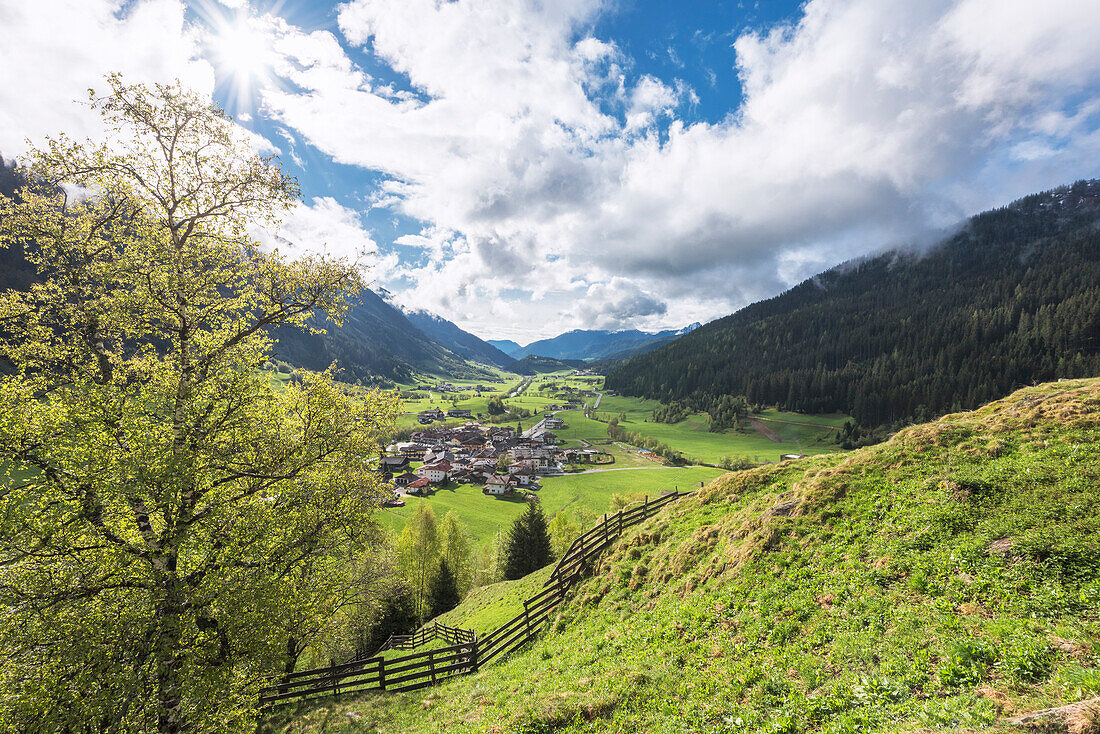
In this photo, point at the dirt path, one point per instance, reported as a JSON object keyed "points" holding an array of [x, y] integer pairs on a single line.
{"points": [[765, 431], [634, 468], [796, 423]]}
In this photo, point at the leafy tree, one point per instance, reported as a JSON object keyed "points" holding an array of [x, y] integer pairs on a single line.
{"points": [[528, 544], [488, 561], [496, 406], [418, 555], [173, 526], [562, 532], [454, 549], [443, 593]]}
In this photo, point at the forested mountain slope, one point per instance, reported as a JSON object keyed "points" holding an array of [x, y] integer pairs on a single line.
{"points": [[944, 580], [458, 340], [534, 364], [376, 339], [1011, 299]]}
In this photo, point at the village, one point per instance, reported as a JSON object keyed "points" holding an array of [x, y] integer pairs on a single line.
{"points": [[506, 462]]}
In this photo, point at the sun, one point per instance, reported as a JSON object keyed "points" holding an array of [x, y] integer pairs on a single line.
{"points": [[243, 57], [243, 49]]}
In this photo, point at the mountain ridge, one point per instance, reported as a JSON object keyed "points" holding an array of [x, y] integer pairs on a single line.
{"points": [[1011, 298], [592, 344], [457, 339]]}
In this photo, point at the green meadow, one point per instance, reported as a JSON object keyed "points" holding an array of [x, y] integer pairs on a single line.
{"points": [[692, 437], [484, 515]]}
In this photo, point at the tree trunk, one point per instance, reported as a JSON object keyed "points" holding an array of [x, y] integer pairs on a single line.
{"points": [[170, 620]]}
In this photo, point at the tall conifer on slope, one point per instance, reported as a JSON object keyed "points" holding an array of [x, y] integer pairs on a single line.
{"points": [[528, 548], [443, 594]]}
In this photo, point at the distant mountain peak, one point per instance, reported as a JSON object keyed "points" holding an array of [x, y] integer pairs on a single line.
{"points": [[457, 339]]}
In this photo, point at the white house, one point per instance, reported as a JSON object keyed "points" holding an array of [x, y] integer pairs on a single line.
{"points": [[435, 473], [498, 485]]}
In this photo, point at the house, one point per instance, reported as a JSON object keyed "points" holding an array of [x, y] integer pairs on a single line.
{"points": [[393, 463], [411, 449], [404, 480], [427, 416], [788, 457], [552, 423], [523, 473], [579, 456], [459, 413], [436, 473], [498, 485], [431, 456], [544, 437], [419, 487]]}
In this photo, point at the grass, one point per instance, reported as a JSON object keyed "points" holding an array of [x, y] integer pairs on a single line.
{"points": [[484, 515], [487, 607], [935, 582], [693, 438]]}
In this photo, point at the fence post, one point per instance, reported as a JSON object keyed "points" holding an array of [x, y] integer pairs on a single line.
{"points": [[431, 664], [381, 673], [620, 522], [473, 655], [645, 507]]}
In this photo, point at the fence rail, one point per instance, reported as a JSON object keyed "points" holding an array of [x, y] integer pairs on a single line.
{"points": [[437, 631], [466, 652]]}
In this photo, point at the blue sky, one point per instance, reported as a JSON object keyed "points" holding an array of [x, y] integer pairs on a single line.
{"points": [[524, 168]]}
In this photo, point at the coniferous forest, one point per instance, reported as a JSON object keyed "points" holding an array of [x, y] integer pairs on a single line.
{"points": [[1011, 299]]}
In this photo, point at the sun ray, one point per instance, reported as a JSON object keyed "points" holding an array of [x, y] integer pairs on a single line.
{"points": [[241, 48]]}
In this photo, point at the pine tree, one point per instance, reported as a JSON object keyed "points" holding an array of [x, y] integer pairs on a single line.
{"points": [[528, 547], [443, 594]]}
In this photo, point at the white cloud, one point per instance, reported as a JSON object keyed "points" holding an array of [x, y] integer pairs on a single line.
{"points": [[559, 188], [55, 50], [863, 125], [326, 227]]}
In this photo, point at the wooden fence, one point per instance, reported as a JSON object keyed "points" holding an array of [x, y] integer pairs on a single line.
{"points": [[435, 631], [467, 652]]}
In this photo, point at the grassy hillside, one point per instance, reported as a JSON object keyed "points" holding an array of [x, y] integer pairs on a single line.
{"points": [[486, 608], [937, 581]]}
